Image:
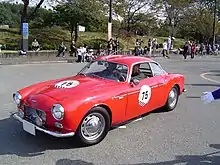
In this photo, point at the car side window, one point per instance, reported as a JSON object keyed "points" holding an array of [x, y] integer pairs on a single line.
{"points": [[156, 69], [122, 69], [141, 71]]}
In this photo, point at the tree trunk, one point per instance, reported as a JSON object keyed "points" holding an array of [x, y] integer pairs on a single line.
{"points": [[128, 33], [71, 32], [25, 8], [76, 32]]}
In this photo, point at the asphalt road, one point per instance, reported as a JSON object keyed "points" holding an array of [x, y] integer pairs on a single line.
{"points": [[188, 135]]}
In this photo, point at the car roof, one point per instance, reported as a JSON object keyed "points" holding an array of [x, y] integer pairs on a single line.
{"points": [[125, 59]]}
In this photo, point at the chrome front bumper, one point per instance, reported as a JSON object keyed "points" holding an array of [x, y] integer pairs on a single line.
{"points": [[55, 134]]}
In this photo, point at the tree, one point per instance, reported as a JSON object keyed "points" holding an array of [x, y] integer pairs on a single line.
{"points": [[173, 11], [198, 21], [24, 12], [9, 14], [128, 9], [71, 13], [144, 24]]}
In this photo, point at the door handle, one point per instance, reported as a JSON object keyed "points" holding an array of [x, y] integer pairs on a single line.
{"points": [[158, 85], [119, 96]]}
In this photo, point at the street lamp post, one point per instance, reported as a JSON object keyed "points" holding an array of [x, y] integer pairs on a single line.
{"points": [[110, 21]]}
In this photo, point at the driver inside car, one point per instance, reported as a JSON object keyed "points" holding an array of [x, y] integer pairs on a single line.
{"points": [[109, 69], [137, 74], [112, 72]]}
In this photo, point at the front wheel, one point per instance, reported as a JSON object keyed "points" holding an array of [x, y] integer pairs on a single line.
{"points": [[172, 99], [94, 126]]}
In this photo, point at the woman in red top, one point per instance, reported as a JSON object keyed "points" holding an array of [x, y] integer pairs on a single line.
{"points": [[193, 50]]}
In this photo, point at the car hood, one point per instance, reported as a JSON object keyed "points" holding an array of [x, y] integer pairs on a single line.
{"points": [[75, 87]]}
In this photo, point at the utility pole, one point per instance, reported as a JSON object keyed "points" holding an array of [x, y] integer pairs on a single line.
{"points": [[110, 21], [214, 22]]}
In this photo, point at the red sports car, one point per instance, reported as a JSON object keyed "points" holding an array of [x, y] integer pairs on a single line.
{"points": [[106, 92]]}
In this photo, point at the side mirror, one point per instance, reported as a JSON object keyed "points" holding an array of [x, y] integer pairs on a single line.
{"points": [[134, 82]]}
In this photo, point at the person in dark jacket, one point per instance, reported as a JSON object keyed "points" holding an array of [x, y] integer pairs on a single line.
{"points": [[185, 50], [209, 97]]}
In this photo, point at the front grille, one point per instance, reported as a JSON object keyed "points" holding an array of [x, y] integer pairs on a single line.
{"points": [[34, 115]]}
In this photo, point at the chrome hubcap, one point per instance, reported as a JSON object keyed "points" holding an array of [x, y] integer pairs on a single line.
{"points": [[172, 97], [93, 126]]}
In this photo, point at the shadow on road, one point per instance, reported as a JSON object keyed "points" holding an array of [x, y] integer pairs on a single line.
{"points": [[207, 159], [72, 162], [15, 141], [203, 85], [216, 71], [193, 97]]}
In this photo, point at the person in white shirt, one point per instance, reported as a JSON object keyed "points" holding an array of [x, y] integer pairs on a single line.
{"points": [[169, 43], [35, 45], [165, 49], [79, 54], [84, 51]]}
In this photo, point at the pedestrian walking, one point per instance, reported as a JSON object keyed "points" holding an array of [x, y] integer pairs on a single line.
{"points": [[165, 49]]}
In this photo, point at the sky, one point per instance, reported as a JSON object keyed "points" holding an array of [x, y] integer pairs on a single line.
{"points": [[32, 2]]}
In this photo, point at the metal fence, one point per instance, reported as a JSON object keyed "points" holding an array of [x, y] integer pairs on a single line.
{"points": [[47, 55], [32, 56]]}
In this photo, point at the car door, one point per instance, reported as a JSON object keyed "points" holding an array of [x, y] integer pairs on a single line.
{"points": [[159, 76], [142, 95]]}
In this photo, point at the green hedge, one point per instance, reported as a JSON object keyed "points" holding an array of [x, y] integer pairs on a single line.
{"points": [[51, 38]]}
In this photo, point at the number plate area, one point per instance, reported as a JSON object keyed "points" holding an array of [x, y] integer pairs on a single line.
{"points": [[29, 127], [35, 116]]}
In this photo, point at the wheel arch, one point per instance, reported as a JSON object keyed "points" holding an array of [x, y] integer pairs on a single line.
{"points": [[178, 87], [106, 107]]}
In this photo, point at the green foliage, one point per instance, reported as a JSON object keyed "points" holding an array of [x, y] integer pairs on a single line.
{"points": [[9, 14], [188, 19], [84, 12], [50, 38]]}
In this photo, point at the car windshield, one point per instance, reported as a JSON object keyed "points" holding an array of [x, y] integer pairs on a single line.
{"points": [[105, 70]]}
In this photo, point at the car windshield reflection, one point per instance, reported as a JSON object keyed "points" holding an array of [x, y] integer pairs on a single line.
{"points": [[105, 70]]}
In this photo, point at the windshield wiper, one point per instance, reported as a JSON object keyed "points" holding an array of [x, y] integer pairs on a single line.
{"points": [[81, 74]]}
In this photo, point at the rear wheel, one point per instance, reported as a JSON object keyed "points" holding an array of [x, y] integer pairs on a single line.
{"points": [[172, 99], [94, 126]]}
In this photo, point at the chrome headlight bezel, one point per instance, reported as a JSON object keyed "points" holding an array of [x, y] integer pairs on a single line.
{"points": [[17, 98], [57, 111]]}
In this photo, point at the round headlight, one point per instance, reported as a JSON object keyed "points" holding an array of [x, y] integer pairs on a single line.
{"points": [[57, 111], [17, 98]]}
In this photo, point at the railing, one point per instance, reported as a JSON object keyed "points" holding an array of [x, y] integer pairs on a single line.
{"points": [[14, 57], [32, 56]]}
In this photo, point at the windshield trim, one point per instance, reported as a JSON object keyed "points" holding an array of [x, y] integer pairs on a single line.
{"points": [[127, 76]]}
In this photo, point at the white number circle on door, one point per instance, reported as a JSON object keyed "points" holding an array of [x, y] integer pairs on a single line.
{"points": [[67, 84], [144, 95]]}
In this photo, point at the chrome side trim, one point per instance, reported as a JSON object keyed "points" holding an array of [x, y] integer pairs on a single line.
{"points": [[55, 134], [131, 93], [118, 97]]}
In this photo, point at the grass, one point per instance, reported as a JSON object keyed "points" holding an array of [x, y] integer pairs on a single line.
{"points": [[50, 38]]}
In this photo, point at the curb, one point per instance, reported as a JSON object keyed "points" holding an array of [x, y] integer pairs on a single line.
{"points": [[55, 61], [28, 62]]}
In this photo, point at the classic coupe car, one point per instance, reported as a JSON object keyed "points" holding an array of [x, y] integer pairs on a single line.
{"points": [[107, 92]]}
